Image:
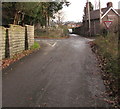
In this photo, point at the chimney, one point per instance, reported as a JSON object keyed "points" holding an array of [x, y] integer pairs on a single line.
{"points": [[109, 4]]}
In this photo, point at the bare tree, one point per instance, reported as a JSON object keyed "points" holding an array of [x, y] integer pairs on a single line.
{"points": [[59, 17]]}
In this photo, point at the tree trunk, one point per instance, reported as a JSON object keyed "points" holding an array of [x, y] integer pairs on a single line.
{"points": [[48, 20], [45, 20], [15, 18], [22, 23]]}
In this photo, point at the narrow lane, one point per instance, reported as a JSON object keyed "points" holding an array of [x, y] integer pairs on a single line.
{"points": [[63, 73]]}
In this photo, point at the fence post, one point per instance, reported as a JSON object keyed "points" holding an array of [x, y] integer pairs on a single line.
{"points": [[7, 49], [26, 38]]}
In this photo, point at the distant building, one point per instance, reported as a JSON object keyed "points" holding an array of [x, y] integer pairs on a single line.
{"points": [[107, 14], [73, 25]]}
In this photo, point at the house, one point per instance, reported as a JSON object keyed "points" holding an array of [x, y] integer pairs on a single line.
{"points": [[109, 18], [73, 24]]}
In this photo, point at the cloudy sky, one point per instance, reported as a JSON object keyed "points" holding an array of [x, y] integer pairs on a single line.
{"points": [[75, 11]]}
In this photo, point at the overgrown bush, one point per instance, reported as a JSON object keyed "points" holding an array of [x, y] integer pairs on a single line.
{"points": [[65, 30], [107, 48], [52, 32]]}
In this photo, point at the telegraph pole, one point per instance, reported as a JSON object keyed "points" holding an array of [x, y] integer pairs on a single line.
{"points": [[100, 11], [88, 7], [95, 5]]}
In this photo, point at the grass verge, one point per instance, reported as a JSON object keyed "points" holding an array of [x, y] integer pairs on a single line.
{"points": [[35, 46], [106, 49]]}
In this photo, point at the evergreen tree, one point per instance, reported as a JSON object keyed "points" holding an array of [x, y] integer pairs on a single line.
{"points": [[30, 12]]}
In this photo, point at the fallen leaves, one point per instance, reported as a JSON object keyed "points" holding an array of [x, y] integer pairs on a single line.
{"points": [[111, 102], [8, 61], [109, 80]]}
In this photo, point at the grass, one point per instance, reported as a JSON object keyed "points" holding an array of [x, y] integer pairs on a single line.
{"points": [[107, 49], [35, 46]]}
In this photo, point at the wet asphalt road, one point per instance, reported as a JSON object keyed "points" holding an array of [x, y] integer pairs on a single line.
{"points": [[63, 73]]}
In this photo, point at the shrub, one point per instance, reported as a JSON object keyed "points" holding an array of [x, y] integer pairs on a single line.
{"points": [[61, 31], [107, 48], [36, 46]]}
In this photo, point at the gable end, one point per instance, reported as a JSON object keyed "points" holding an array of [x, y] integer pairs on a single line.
{"points": [[109, 11]]}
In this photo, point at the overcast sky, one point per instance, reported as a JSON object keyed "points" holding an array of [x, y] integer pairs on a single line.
{"points": [[75, 11]]}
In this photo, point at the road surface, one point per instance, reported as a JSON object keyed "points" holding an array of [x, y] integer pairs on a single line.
{"points": [[63, 73]]}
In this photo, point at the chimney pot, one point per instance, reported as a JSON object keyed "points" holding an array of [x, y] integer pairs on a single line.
{"points": [[109, 4]]}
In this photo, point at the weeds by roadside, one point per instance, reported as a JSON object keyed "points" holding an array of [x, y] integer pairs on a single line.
{"points": [[35, 46], [106, 49]]}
